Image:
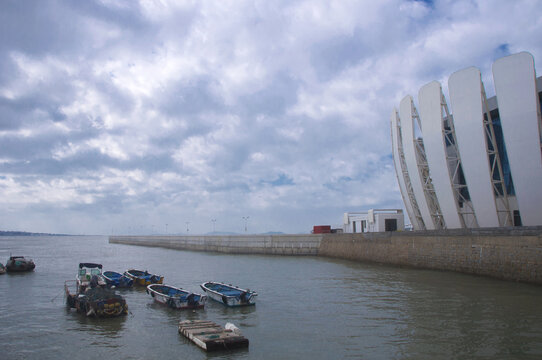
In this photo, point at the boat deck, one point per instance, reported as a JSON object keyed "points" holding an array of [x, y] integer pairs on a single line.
{"points": [[210, 336], [225, 290]]}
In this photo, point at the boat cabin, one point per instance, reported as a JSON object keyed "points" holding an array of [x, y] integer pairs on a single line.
{"points": [[89, 274]]}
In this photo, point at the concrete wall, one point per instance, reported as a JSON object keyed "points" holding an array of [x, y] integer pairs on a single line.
{"points": [[509, 254], [238, 244], [504, 253]]}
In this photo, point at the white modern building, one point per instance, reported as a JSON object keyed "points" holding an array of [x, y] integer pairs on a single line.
{"points": [[469, 161], [374, 220]]}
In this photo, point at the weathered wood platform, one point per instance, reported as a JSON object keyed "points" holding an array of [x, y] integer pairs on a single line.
{"points": [[210, 336]]}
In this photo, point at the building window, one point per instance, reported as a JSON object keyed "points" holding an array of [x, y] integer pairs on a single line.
{"points": [[390, 224], [363, 225], [353, 226], [517, 218]]}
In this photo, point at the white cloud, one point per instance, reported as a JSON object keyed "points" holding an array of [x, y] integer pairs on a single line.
{"points": [[130, 114]]}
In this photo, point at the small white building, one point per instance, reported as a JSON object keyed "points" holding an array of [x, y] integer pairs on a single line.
{"points": [[374, 220]]}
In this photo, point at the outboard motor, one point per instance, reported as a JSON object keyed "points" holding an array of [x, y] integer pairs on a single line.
{"points": [[191, 300]]}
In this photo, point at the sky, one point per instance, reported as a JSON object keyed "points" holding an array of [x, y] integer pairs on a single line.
{"points": [[187, 117]]}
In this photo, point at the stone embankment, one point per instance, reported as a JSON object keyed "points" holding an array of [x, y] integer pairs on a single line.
{"points": [[508, 254], [233, 244]]}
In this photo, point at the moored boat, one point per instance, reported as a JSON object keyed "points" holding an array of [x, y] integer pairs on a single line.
{"points": [[2, 269], [143, 278], [95, 301], [228, 294], [89, 272], [19, 264], [88, 294], [116, 279], [176, 298]]}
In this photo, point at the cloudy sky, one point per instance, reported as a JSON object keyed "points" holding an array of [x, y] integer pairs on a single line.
{"points": [[158, 116]]}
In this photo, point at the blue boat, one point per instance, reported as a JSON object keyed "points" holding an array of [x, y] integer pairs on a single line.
{"points": [[176, 298], [116, 279], [229, 295], [144, 278]]}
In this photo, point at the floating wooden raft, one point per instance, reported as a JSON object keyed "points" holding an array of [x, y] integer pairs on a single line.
{"points": [[210, 336]]}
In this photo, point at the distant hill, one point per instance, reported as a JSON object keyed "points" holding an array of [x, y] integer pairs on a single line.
{"points": [[25, 233], [221, 233]]}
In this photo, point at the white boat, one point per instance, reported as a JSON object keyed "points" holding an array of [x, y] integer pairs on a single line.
{"points": [[176, 298], [228, 294], [89, 272]]}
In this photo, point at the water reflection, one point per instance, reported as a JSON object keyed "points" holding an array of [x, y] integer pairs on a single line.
{"points": [[106, 327]]}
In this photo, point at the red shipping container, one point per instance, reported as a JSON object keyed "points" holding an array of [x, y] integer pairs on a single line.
{"points": [[321, 229]]}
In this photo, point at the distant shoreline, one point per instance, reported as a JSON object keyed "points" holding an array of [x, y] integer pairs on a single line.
{"points": [[26, 233]]}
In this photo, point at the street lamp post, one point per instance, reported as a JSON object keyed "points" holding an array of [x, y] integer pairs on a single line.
{"points": [[246, 220], [213, 221]]}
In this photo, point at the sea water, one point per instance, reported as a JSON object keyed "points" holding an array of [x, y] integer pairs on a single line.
{"points": [[307, 308]]}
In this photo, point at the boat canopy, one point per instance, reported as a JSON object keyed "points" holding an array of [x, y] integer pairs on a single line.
{"points": [[89, 265]]}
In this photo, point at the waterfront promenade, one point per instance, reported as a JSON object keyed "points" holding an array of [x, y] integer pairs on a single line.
{"points": [[504, 253]]}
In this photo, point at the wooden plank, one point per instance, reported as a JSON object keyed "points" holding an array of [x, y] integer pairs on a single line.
{"points": [[202, 326], [195, 322], [190, 326], [202, 329], [197, 325]]}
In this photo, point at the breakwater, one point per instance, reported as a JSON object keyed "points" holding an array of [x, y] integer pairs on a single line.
{"points": [[233, 244], [509, 254]]}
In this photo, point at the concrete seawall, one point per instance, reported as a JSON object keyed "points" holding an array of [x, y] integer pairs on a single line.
{"points": [[508, 254], [238, 244]]}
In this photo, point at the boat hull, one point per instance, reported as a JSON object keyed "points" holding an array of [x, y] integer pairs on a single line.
{"points": [[229, 295], [179, 300], [118, 280], [142, 278], [19, 264]]}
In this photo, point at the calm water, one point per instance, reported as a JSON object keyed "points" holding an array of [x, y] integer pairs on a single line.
{"points": [[308, 308]]}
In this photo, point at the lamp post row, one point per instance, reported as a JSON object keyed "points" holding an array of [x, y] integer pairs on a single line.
{"points": [[245, 219]]}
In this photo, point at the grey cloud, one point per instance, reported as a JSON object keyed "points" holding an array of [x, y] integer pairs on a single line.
{"points": [[186, 99], [272, 100], [332, 56]]}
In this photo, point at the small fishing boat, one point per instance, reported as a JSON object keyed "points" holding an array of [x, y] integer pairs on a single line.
{"points": [[95, 301], [228, 294], [116, 279], [89, 295], [2, 269], [143, 278], [19, 264], [176, 298], [89, 272]]}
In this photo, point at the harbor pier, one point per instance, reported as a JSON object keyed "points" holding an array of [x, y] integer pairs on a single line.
{"points": [[513, 254], [232, 244]]}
